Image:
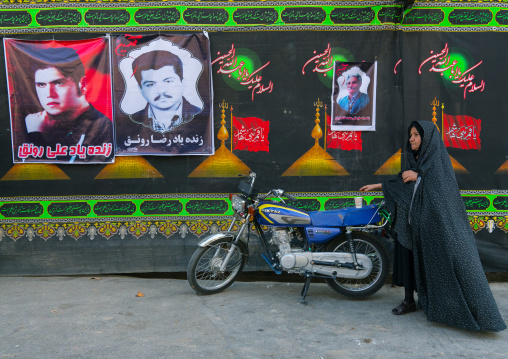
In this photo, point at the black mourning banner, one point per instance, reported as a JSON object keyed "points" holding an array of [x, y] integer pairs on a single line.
{"points": [[24, 210], [476, 203], [298, 67], [501, 203], [305, 204], [69, 209], [161, 207], [157, 16], [470, 17], [119, 208], [303, 15], [502, 17], [58, 17], [255, 16], [208, 206], [352, 15], [15, 18], [338, 203], [205, 16], [424, 17], [104, 17], [391, 15]]}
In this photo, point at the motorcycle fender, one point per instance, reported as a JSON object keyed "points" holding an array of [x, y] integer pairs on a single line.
{"points": [[205, 242]]}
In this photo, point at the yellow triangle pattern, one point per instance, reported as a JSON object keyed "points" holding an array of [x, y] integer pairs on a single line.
{"points": [[316, 162], [223, 163], [392, 166], [457, 167], [503, 169], [129, 167], [34, 172]]}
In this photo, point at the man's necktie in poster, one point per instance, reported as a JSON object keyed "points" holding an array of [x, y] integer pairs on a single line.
{"points": [[354, 96], [163, 95], [60, 100]]}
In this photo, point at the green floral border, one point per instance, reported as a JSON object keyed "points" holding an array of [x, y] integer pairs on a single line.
{"points": [[481, 211], [20, 16], [169, 229], [156, 207]]}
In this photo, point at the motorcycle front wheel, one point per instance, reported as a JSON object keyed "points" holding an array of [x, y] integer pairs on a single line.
{"points": [[372, 247], [203, 271]]}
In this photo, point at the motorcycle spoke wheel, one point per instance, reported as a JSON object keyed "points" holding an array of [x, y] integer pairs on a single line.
{"points": [[373, 248], [204, 274]]}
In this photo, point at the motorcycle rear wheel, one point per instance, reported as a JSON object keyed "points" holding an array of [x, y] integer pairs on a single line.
{"points": [[203, 270], [371, 246]]}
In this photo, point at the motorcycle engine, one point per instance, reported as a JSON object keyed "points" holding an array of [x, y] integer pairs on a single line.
{"points": [[281, 238], [288, 259]]}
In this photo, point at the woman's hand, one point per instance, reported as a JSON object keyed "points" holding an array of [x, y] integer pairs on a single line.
{"points": [[371, 187], [408, 176]]}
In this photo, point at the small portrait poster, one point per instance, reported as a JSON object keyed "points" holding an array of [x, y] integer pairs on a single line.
{"points": [[163, 95], [60, 100], [354, 96]]}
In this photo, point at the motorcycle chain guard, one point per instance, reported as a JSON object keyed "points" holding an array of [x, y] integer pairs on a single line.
{"points": [[297, 262]]}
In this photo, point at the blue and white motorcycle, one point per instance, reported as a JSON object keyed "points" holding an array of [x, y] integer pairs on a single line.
{"points": [[340, 245]]}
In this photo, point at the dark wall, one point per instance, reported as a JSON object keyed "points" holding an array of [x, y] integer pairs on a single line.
{"points": [[403, 95]]}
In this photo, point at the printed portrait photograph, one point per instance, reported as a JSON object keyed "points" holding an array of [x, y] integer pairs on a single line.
{"points": [[354, 96], [164, 98], [60, 100]]}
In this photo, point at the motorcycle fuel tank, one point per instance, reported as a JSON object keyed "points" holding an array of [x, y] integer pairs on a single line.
{"points": [[274, 214]]}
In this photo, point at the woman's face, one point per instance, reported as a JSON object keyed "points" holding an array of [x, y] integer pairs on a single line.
{"points": [[414, 139]]}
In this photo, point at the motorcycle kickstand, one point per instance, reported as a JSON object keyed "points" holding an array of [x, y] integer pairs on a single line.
{"points": [[305, 289]]}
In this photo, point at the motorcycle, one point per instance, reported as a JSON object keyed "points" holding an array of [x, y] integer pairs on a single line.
{"points": [[338, 245]]}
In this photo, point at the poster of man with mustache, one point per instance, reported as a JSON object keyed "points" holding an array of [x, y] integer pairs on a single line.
{"points": [[163, 95]]}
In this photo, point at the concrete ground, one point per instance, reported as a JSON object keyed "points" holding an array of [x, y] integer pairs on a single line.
{"points": [[103, 317]]}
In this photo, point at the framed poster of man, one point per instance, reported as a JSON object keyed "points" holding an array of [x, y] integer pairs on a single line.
{"points": [[60, 100], [163, 95], [354, 96]]}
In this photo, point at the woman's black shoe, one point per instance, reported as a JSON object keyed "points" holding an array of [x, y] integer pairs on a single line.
{"points": [[404, 308]]}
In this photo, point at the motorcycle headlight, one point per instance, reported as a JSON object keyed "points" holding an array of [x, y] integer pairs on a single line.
{"points": [[238, 203]]}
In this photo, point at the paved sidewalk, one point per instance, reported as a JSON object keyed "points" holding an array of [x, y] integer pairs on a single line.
{"points": [[81, 317]]}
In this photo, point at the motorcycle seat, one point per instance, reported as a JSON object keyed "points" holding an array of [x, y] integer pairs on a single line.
{"points": [[343, 217]]}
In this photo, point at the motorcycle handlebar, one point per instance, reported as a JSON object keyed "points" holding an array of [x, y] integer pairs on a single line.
{"points": [[289, 196], [277, 193]]}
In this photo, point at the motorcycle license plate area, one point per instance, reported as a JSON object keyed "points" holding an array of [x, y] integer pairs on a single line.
{"points": [[350, 216]]}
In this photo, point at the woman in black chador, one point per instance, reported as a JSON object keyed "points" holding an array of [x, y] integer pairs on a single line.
{"points": [[435, 250]]}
